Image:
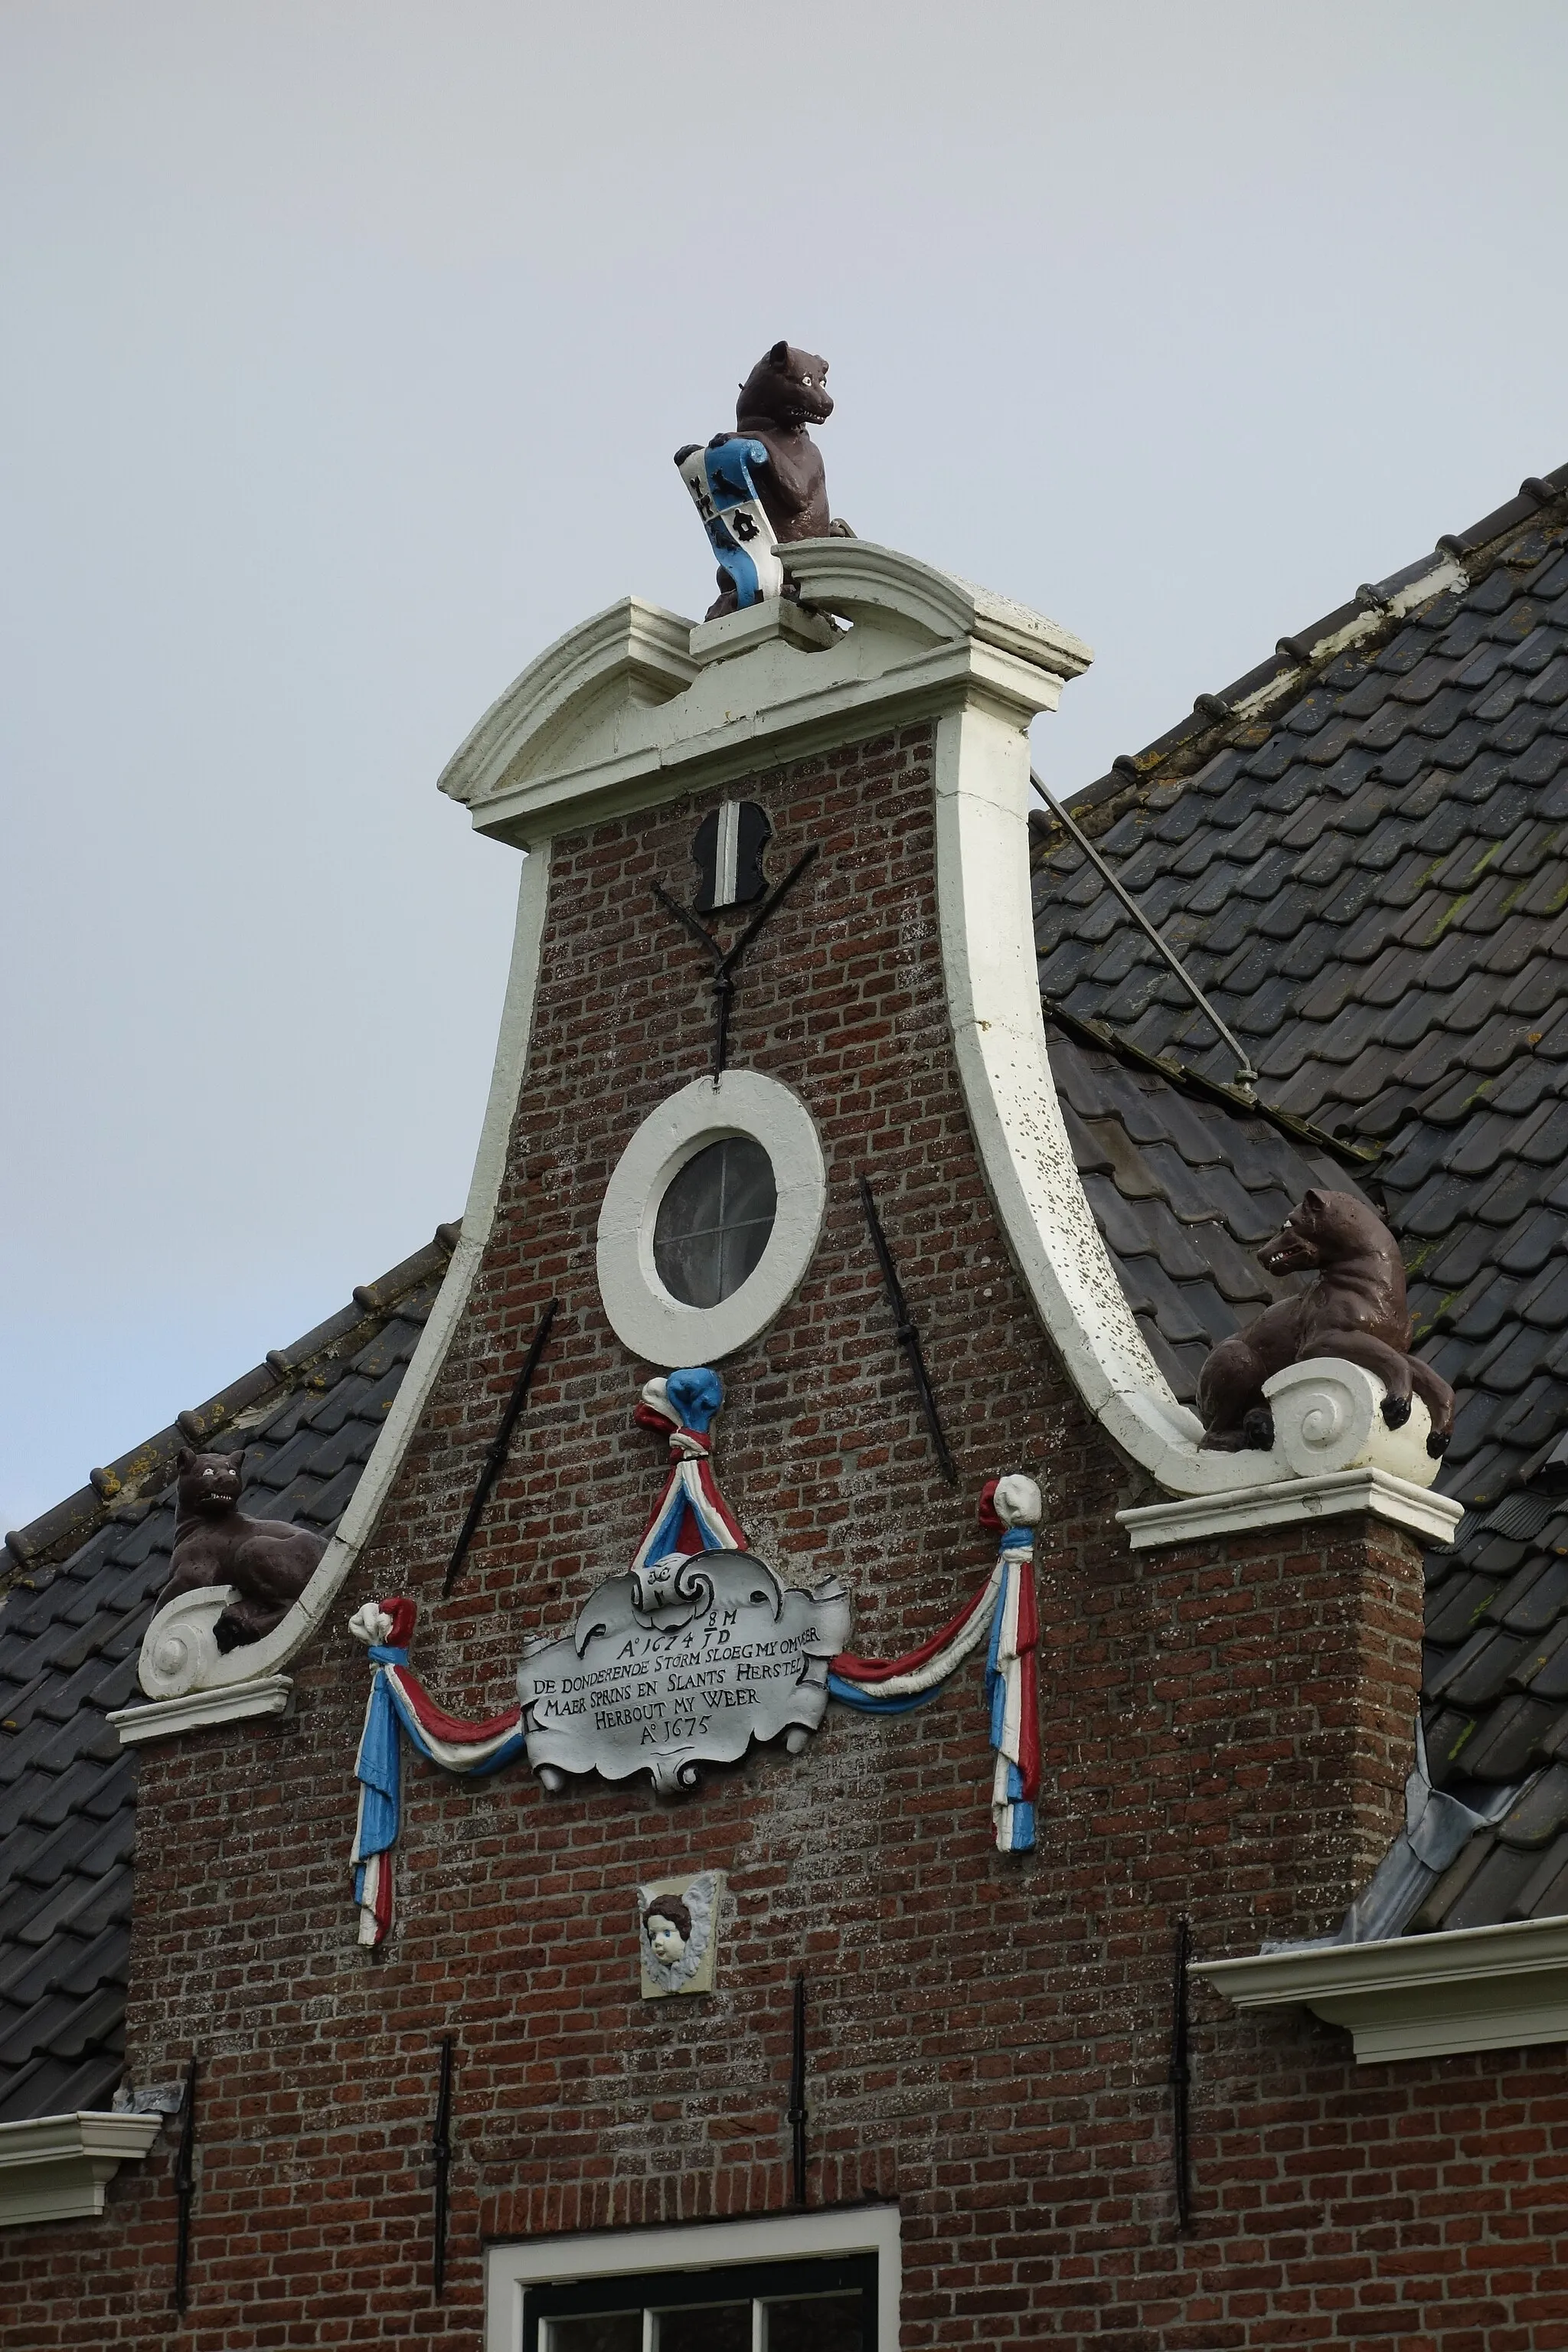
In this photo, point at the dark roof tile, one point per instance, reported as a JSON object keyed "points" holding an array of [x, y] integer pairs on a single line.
{"points": [[1491, 1891], [1508, 1742], [1544, 1894], [1541, 1814]]}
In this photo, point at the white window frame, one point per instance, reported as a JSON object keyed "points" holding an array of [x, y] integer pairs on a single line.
{"points": [[646, 1316], [511, 2269]]}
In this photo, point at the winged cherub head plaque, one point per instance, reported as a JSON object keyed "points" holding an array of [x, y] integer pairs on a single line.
{"points": [[677, 1930]]}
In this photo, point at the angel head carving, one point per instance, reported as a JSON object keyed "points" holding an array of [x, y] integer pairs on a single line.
{"points": [[666, 1924], [677, 1921]]}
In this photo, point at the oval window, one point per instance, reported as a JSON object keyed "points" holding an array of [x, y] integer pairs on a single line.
{"points": [[714, 1220]]}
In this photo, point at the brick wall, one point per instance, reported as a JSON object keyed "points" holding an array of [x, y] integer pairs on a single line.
{"points": [[1225, 1731]]}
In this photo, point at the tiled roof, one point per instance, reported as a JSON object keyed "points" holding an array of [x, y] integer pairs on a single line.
{"points": [[82, 1581], [1184, 1185], [1359, 851]]}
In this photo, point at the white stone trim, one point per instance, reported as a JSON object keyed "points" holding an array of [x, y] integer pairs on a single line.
{"points": [[1288, 1501], [632, 654], [998, 1030], [259, 1662], [621, 2253], [1327, 1418], [55, 2167], [1418, 1996], [863, 583], [643, 1314], [161, 1718], [755, 625], [537, 763]]}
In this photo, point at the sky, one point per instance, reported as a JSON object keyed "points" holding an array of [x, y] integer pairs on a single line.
{"points": [[347, 349]]}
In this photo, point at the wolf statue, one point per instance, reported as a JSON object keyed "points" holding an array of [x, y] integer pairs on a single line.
{"points": [[764, 484], [1354, 1310]]}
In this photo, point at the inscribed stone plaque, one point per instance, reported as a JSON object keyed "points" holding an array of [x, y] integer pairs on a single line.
{"points": [[681, 1665]]}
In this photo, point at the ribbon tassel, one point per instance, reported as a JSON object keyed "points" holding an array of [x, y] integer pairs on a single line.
{"points": [[1003, 1615], [399, 1706], [691, 1516]]}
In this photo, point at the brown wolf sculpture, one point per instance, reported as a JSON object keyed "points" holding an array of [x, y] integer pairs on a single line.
{"points": [[268, 1561], [1355, 1311], [785, 394]]}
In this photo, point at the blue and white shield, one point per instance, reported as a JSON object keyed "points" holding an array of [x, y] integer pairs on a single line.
{"points": [[741, 537]]}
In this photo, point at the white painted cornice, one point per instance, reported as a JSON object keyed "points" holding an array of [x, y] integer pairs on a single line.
{"points": [[595, 726], [1418, 1996], [161, 1718], [631, 656], [55, 2167], [866, 583], [1285, 1501]]}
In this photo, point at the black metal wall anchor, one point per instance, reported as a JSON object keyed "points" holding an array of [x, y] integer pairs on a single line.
{"points": [[1180, 2075], [185, 2189], [726, 960], [495, 1458], [796, 2116], [904, 1331], [441, 2156]]}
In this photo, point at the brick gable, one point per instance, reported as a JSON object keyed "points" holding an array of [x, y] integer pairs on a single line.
{"points": [[1224, 1732]]}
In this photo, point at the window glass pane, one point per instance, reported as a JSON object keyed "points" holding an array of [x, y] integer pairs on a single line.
{"points": [[818, 2322], [706, 2327], [714, 1220], [618, 2331]]}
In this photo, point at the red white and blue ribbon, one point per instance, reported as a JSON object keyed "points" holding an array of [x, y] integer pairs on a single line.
{"points": [[400, 1707], [1001, 1615], [691, 1516]]}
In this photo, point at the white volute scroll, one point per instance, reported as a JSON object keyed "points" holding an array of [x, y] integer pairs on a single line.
{"points": [[1328, 1417], [179, 1649], [1333, 1452]]}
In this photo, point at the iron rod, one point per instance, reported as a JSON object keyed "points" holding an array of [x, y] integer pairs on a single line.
{"points": [[1181, 2075], [1246, 1077], [441, 2156], [185, 2189], [796, 2116], [726, 960], [495, 1457], [904, 1331]]}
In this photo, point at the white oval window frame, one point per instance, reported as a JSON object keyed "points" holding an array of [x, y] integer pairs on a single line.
{"points": [[646, 1316]]}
